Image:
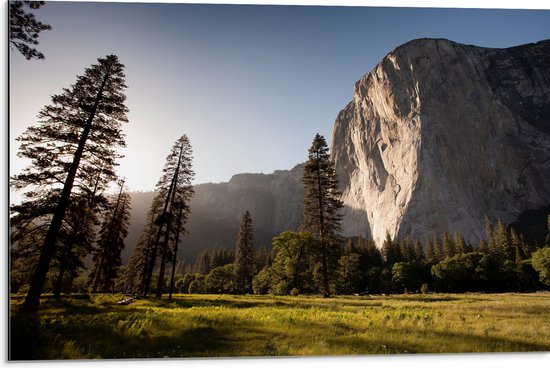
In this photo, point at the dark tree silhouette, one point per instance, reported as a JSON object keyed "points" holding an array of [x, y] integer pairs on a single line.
{"points": [[77, 137], [321, 204], [244, 255], [25, 28], [175, 189], [106, 255]]}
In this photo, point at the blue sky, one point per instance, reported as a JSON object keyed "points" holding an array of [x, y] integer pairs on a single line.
{"points": [[249, 85]]}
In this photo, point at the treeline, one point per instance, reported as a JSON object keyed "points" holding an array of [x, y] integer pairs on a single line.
{"points": [[502, 263]]}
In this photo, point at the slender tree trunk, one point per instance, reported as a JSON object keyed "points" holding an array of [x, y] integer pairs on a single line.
{"points": [[62, 268], [175, 257], [48, 249], [162, 270], [97, 276], [324, 263]]}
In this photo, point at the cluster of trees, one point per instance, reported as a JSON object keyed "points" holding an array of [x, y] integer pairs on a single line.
{"points": [[73, 155], [67, 217], [504, 263], [159, 243], [315, 248]]}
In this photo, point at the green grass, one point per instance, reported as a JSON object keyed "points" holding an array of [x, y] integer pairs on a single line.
{"points": [[226, 325]]}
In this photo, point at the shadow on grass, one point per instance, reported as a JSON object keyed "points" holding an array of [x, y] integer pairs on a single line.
{"points": [[34, 337], [431, 342]]}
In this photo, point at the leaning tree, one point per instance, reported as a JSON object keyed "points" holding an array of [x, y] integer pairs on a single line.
{"points": [[72, 153], [174, 190]]}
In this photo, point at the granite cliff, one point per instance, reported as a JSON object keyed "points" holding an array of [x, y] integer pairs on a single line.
{"points": [[440, 134]]}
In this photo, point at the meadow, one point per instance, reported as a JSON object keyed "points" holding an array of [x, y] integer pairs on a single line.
{"points": [[231, 325]]}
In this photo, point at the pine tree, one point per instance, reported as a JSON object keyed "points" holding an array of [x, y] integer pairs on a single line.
{"points": [[439, 254], [502, 245], [483, 247], [25, 28], [460, 244], [244, 255], [203, 264], [322, 207], [106, 255], [488, 232], [406, 248], [429, 251], [418, 252], [518, 246], [175, 189], [76, 138], [447, 246], [390, 250]]}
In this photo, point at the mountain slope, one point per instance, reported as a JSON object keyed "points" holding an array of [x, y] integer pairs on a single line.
{"points": [[274, 201]]}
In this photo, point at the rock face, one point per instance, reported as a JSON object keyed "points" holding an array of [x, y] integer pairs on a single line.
{"points": [[274, 201], [440, 134]]}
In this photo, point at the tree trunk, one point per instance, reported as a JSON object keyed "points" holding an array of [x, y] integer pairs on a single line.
{"points": [[157, 240], [48, 249], [324, 263], [175, 257], [160, 286], [97, 275], [59, 281]]}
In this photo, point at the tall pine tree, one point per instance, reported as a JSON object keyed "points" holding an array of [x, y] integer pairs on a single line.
{"points": [[76, 138], [244, 255], [322, 207], [175, 189]]}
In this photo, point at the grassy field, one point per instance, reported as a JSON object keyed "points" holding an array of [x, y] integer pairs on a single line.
{"points": [[227, 325]]}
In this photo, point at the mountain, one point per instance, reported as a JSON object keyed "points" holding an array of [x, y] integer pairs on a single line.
{"points": [[437, 136], [273, 200], [440, 134]]}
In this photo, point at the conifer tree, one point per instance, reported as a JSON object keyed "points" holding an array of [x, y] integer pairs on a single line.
{"points": [[502, 245], [203, 265], [322, 207], [418, 252], [460, 244], [483, 247], [175, 189], [106, 255], [390, 250], [76, 138], [138, 265], [429, 251], [406, 248], [244, 255], [439, 254], [518, 246], [447, 246], [25, 28]]}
